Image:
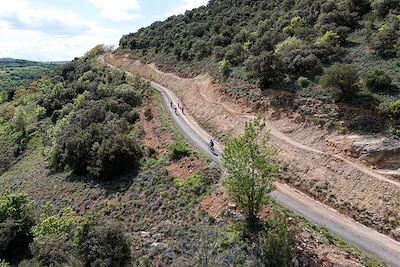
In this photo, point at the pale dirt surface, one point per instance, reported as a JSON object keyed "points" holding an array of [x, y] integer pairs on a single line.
{"points": [[317, 168]]}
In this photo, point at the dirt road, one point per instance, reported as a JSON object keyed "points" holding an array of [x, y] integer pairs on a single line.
{"points": [[370, 240]]}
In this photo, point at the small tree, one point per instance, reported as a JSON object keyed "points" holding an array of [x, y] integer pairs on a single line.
{"points": [[267, 69], [342, 77], [225, 67], [20, 122], [377, 80], [250, 170]]}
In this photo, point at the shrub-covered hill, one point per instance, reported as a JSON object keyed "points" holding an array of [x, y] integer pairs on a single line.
{"points": [[83, 115], [325, 49], [17, 72], [93, 173]]}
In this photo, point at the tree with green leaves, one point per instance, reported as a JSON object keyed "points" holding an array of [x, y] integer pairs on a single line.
{"points": [[16, 220], [343, 79], [20, 122], [248, 161]]}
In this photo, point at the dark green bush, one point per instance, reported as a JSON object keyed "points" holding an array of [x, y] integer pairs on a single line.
{"points": [[393, 108], [105, 246], [383, 7], [16, 220], [99, 149], [385, 40], [55, 250], [267, 69], [302, 62], [377, 80], [343, 78], [303, 82], [361, 7], [179, 150]]}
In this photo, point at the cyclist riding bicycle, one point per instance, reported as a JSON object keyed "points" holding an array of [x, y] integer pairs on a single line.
{"points": [[211, 143]]}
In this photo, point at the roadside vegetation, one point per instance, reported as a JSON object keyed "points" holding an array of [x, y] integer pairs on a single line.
{"points": [[304, 47]]}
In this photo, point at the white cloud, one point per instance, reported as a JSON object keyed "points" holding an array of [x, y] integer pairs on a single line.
{"points": [[21, 15], [48, 34], [42, 46], [117, 10], [186, 5]]}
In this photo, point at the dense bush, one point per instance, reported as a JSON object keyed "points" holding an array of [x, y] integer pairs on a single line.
{"points": [[383, 7], [266, 69], [105, 245], [91, 109], [302, 62], [56, 250], [98, 149], [343, 78], [385, 40], [377, 80], [179, 150], [303, 82], [16, 220], [393, 108]]}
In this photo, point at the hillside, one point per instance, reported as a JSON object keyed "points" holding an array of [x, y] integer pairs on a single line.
{"points": [[301, 47], [94, 173], [19, 72]]}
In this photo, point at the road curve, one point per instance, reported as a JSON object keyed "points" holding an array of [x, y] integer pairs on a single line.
{"points": [[381, 246]]}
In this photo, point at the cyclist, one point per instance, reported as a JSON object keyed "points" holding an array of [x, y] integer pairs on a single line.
{"points": [[211, 144]]}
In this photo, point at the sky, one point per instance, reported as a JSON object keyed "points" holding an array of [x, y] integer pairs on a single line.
{"points": [[57, 30]]}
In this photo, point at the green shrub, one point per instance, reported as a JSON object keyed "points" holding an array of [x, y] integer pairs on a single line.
{"points": [[289, 44], [51, 223], [55, 250], [398, 63], [383, 7], [3, 97], [267, 69], [395, 131], [377, 80], [105, 245], [20, 122], [330, 37], [179, 150], [277, 244], [393, 108], [225, 67], [343, 78], [16, 220], [303, 82], [3, 263], [295, 23], [40, 112], [148, 115], [385, 40]]}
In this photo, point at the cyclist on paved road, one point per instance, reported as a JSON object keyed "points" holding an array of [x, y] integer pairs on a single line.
{"points": [[211, 143]]}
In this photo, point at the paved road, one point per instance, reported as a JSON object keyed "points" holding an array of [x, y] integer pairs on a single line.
{"points": [[381, 246]]}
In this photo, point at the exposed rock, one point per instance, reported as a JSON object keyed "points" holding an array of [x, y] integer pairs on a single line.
{"points": [[381, 152]]}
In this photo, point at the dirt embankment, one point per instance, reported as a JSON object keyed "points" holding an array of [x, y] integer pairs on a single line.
{"points": [[314, 164]]}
